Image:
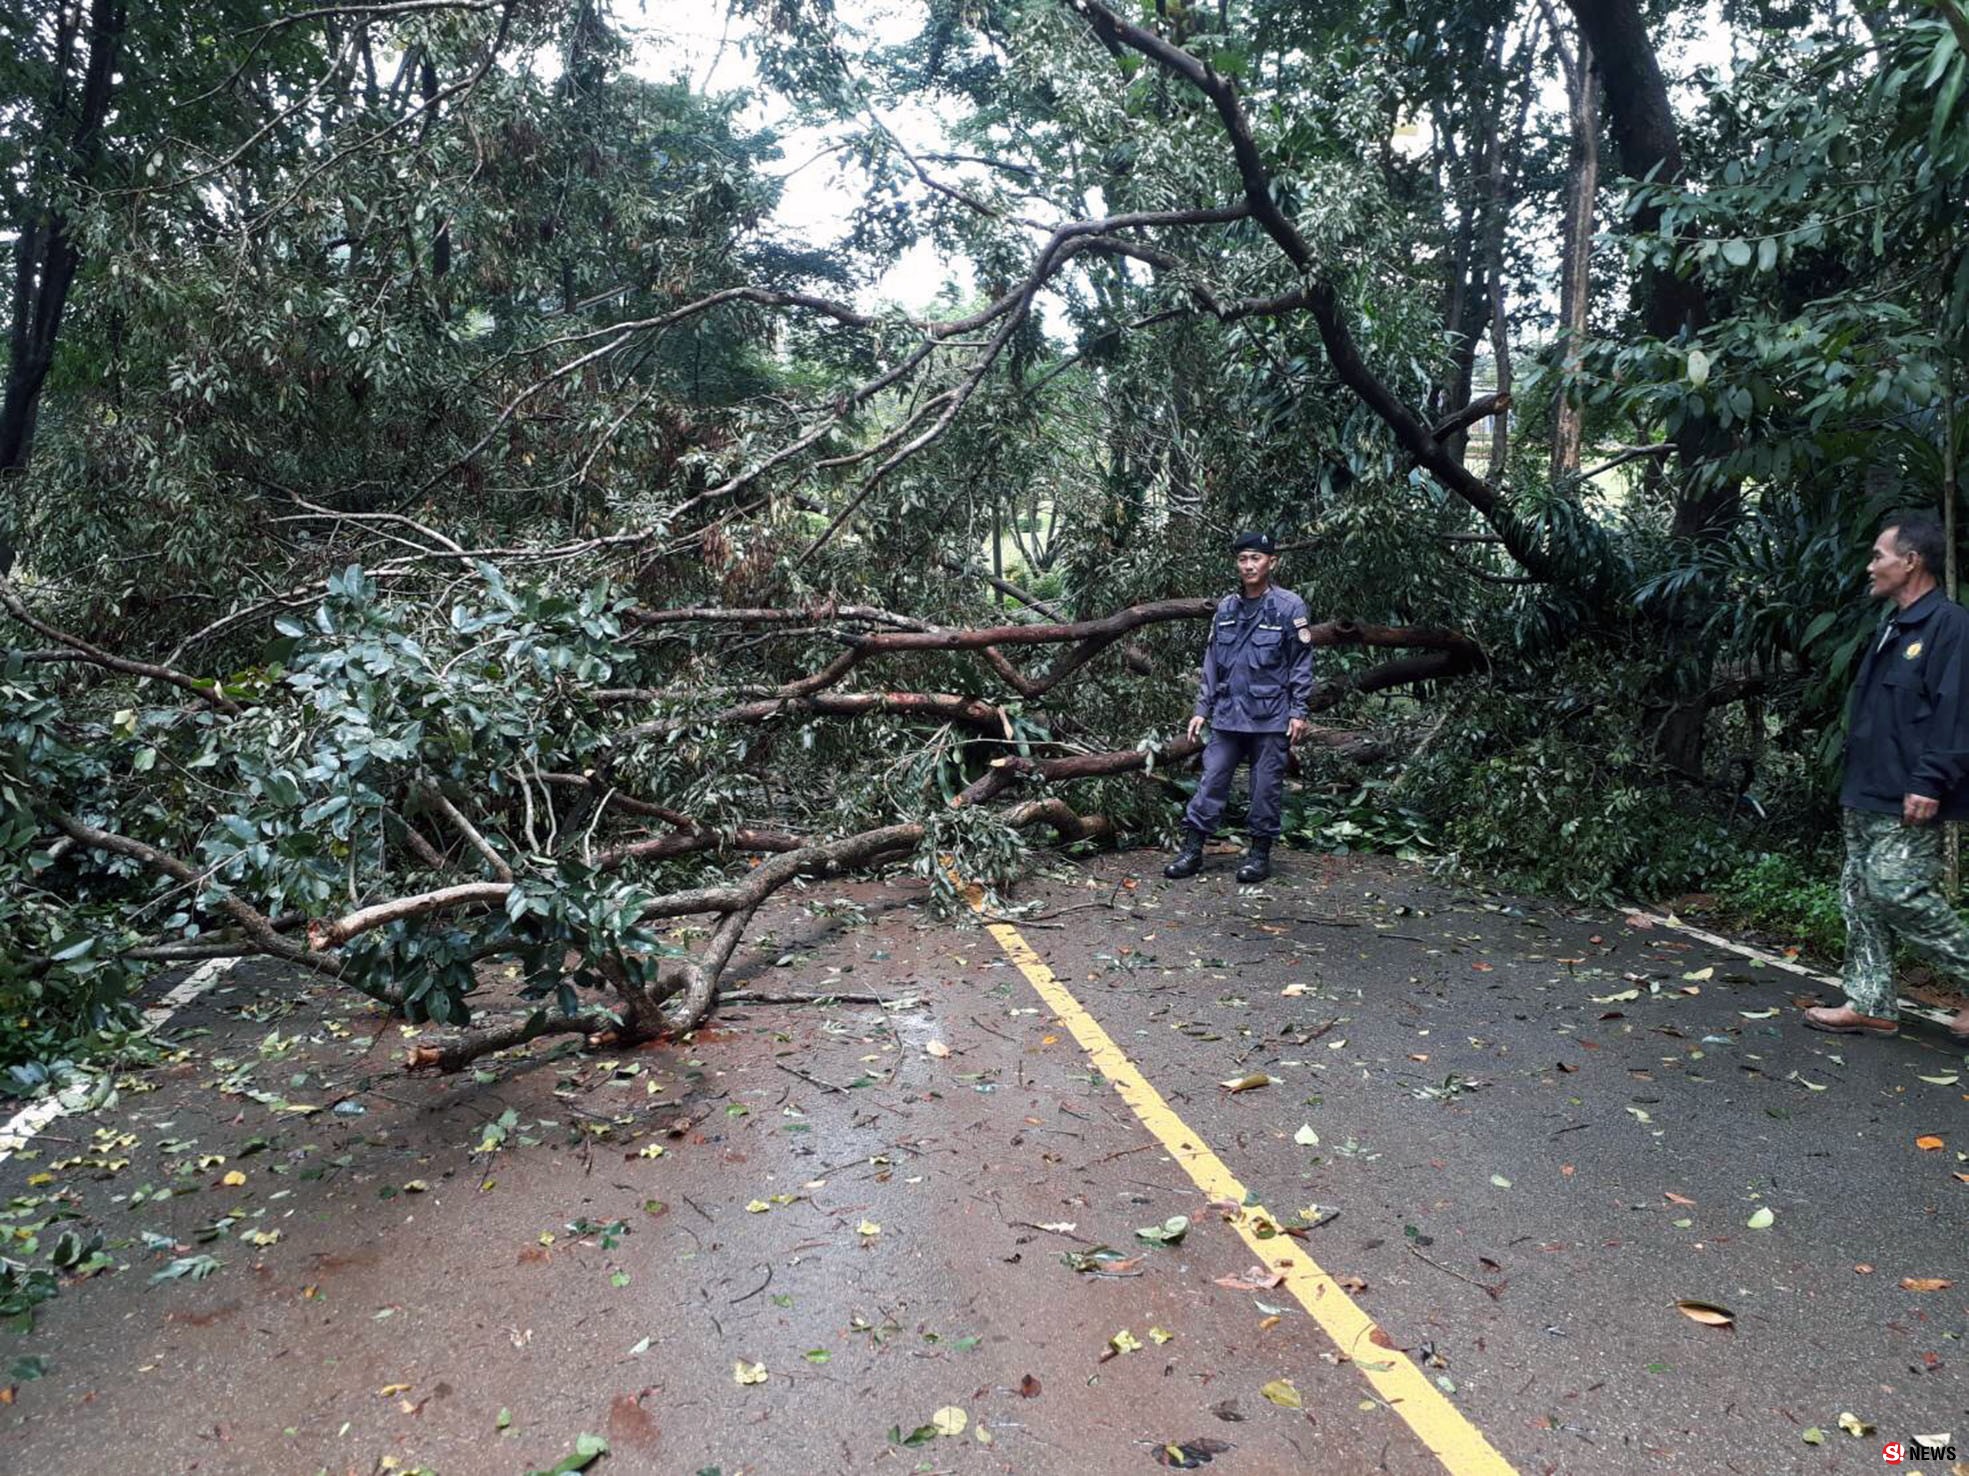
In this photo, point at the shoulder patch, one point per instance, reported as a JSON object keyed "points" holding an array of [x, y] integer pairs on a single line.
{"points": [[1305, 634], [1913, 650]]}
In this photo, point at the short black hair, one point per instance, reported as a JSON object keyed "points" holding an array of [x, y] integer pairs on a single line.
{"points": [[1920, 533]]}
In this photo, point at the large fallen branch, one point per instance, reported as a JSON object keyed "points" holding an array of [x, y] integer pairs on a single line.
{"points": [[481, 824], [206, 691]]}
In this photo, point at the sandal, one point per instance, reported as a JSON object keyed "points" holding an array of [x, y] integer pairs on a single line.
{"points": [[1860, 1025]]}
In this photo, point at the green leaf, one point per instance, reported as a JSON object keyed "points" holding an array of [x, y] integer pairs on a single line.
{"points": [[1170, 1232], [1736, 253], [587, 1450]]}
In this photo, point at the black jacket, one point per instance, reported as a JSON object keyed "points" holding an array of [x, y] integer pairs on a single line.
{"points": [[1908, 726]]}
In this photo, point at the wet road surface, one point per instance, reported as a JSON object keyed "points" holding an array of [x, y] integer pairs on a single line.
{"points": [[903, 1235]]}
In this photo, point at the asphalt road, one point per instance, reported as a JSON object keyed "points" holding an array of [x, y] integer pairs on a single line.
{"points": [[858, 1236]]}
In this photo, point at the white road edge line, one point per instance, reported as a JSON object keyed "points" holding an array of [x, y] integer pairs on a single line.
{"points": [[19, 1130], [1908, 1006]]}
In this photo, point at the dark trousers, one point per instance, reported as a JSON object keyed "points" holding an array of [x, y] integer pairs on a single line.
{"points": [[1265, 752]]}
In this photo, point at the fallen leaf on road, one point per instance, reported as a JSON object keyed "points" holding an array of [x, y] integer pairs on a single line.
{"points": [[868, 1227], [1028, 1387], [1758, 1014], [1281, 1393], [938, 1049], [1353, 1285], [749, 1373], [1380, 1339], [1929, 1143], [233, 1179], [950, 1420], [1125, 1342], [389, 1391], [1190, 1454], [1293, 991], [1673, 1198], [1170, 1232], [587, 1450], [1925, 1283], [1636, 920], [1943, 1081], [1254, 1280], [1813, 1436], [1248, 1083], [1707, 1313], [1700, 975], [1762, 1220], [1306, 1137], [1620, 998], [1103, 1261], [757, 1207], [1500, 1181], [1853, 1425], [1862, 1268], [1159, 1335]]}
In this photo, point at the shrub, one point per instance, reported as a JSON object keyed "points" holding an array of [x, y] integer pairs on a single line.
{"points": [[1778, 894]]}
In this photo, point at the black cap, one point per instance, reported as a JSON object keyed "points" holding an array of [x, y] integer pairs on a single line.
{"points": [[1252, 539]]}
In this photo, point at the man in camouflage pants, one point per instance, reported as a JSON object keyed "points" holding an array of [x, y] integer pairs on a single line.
{"points": [[1907, 756]]}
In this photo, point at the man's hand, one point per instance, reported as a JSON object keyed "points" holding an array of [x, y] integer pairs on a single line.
{"points": [[1196, 728], [1295, 730], [1918, 809]]}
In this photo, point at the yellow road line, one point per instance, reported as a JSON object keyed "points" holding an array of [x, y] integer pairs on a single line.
{"points": [[1440, 1425]]}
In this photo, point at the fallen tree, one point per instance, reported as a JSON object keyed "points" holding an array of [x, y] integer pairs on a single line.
{"points": [[396, 797]]}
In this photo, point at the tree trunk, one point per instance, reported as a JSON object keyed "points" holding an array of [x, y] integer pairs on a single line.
{"points": [[1576, 250], [1496, 211], [46, 257], [1454, 391], [1647, 146], [1645, 142]]}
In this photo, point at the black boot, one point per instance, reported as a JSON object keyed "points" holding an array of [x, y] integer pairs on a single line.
{"points": [[1258, 862], [1189, 860]]}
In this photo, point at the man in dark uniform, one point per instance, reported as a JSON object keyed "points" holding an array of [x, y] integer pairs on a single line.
{"points": [[1257, 681], [1907, 756]]}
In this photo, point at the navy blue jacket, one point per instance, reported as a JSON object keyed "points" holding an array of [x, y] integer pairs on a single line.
{"points": [[1908, 725], [1257, 676]]}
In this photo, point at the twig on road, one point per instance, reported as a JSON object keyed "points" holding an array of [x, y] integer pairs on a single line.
{"points": [[757, 1289], [1493, 1292], [896, 1002], [810, 1080], [989, 1031], [1050, 1230]]}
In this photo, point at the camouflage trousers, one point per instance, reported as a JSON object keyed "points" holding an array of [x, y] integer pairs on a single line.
{"points": [[1891, 888]]}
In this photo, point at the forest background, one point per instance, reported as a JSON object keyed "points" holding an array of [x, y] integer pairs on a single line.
{"points": [[449, 524]]}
